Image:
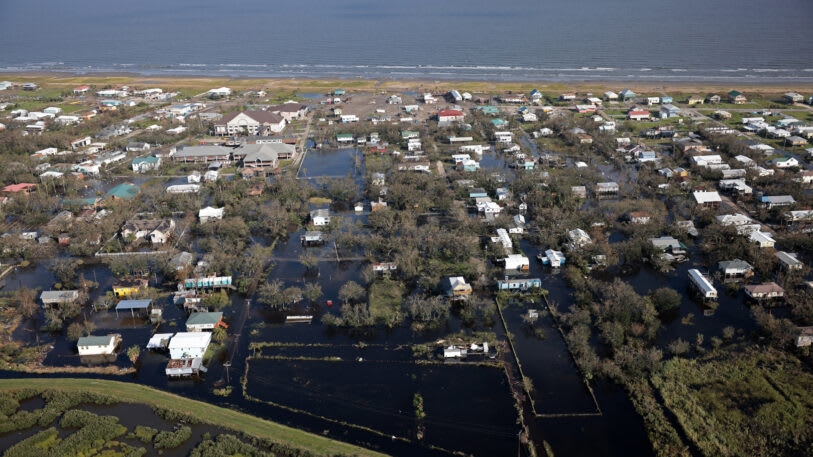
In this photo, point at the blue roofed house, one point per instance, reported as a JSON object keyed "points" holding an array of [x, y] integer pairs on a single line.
{"points": [[499, 122], [627, 94], [666, 99], [124, 191]]}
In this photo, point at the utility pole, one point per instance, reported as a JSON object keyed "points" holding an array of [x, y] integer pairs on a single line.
{"points": [[226, 365], [519, 443]]}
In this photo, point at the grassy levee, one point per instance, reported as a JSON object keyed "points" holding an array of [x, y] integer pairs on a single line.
{"points": [[206, 413]]}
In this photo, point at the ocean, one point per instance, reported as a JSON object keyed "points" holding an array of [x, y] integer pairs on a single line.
{"points": [[515, 40]]}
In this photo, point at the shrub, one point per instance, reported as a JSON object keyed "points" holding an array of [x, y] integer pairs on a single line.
{"points": [[171, 440]]}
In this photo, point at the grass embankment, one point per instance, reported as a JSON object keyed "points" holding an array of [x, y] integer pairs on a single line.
{"points": [[193, 85], [206, 413]]}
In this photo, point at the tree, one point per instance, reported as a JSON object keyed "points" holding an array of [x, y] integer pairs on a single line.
{"points": [[351, 291], [26, 303], [665, 299], [75, 331], [270, 294], [312, 291], [133, 353], [219, 334], [308, 260], [217, 300]]}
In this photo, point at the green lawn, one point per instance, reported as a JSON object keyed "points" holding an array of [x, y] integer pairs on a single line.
{"points": [[385, 297], [206, 413]]}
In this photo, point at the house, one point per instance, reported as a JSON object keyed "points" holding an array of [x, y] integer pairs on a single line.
{"points": [[775, 201], [579, 191], [517, 262], [713, 98], [262, 157], [219, 92], [144, 164], [320, 217], [554, 259], [209, 214], [805, 177], [52, 298], [182, 261], [805, 334], [81, 90], [694, 100], [794, 141], [503, 137], [348, 118], [136, 146], [638, 217], [653, 100], [97, 345], [735, 268], [669, 110], [793, 97], [701, 284], [189, 345], [198, 322], [536, 96], [578, 238], [737, 98], [22, 188], [607, 188], [788, 261], [766, 291], [785, 162], [345, 138], [126, 287], [638, 114], [455, 286], [567, 96], [519, 284], [611, 96], [706, 199], [250, 122], [450, 115], [762, 239], [203, 154], [289, 110], [157, 231], [627, 95]]}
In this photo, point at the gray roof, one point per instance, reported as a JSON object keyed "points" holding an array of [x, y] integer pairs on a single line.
{"points": [[264, 152], [58, 296], [133, 304], [204, 318], [734, 264], [95, 340], [203, 151]]}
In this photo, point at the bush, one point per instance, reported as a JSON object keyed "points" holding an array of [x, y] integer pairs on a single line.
{"points": [[171, 440], [145, 434]]}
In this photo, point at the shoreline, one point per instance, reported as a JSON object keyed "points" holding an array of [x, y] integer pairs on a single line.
{"points": [[66, 79]]}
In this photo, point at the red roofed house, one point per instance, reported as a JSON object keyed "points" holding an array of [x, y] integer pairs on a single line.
{"points": [[81, 90], [25, 187], [638, 114], [450, 115]]}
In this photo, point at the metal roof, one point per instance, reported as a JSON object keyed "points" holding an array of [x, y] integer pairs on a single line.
{"points": [[133, 304]]}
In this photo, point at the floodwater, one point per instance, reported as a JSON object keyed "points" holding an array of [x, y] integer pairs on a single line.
{"points": [[368, 378]]}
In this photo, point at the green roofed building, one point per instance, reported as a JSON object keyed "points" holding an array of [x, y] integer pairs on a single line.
{"points": [[124, 191]]}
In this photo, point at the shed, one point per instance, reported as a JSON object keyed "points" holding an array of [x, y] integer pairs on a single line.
{"points": [[133, 305]]}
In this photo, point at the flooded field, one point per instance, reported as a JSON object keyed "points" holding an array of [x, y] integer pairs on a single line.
{"points": [[462, 403]]}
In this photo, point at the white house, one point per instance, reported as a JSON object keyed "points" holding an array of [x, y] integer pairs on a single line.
{"points": [[250, 123], [219, 92], [320, 217], [189, 345], [517, 262], [209, 214], [97, 345]]}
